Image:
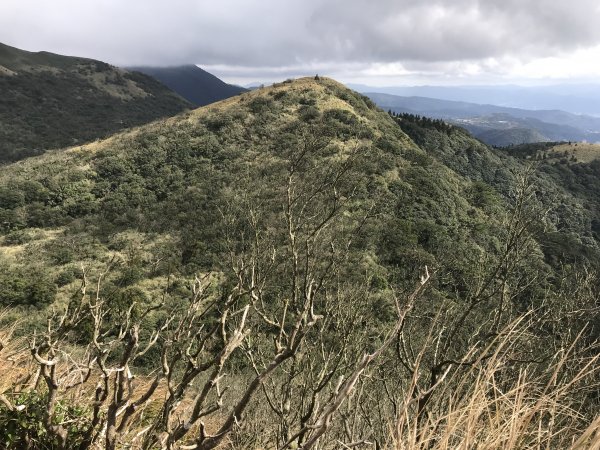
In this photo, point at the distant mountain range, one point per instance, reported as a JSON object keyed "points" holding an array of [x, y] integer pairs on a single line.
{"points": [[51, 101], [574, 98], [197, 86], [498, 125]]}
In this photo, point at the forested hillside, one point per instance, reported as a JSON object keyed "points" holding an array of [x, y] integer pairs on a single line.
{"points": [[52, 101], [295, 268]]}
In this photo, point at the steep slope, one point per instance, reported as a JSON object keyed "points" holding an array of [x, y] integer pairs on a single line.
{"points": [[50, 101], [312, 213], [197, 86], [576, 168], [165, 177], [570, 233], [168, 180]]}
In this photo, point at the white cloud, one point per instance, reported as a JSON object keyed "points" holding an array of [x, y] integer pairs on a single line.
{"points": [[581, 63]]}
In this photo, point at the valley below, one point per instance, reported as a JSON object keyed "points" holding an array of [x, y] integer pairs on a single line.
{"points": [[498, 126]]}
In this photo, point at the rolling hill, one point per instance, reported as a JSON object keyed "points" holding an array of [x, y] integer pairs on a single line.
{"points": [[191, 82], [50, 101]]}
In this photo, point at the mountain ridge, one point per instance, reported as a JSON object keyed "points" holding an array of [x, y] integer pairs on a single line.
{"points": [[52, 101], [196, 85]]}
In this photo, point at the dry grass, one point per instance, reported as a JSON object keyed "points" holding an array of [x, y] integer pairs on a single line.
{"points": [[6, 72], [486, 409], [15, 360], [107, 82], [583, 151]]}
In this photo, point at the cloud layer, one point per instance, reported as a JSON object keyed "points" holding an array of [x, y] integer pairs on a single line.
{"points": [[406, 36]]}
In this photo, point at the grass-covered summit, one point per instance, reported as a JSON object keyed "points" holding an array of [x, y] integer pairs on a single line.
{"points": [[52, 101]]}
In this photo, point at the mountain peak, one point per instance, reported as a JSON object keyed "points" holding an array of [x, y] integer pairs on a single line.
{"points": [[324, 93]]}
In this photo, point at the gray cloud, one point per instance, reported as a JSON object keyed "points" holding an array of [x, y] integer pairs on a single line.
{"points": [[457, 29], [269, 34]]}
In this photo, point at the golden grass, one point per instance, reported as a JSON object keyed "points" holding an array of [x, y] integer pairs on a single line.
{"points": [[106, 81], [11, 252], [583, 151], [15, 360], [39, 235], [6, 71], [480, 409]]}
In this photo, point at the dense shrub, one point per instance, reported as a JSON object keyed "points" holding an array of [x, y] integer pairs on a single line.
{"points": [[23, 428]]}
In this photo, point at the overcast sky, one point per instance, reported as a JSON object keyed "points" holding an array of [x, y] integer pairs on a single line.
{"points": [[378, 42]]}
